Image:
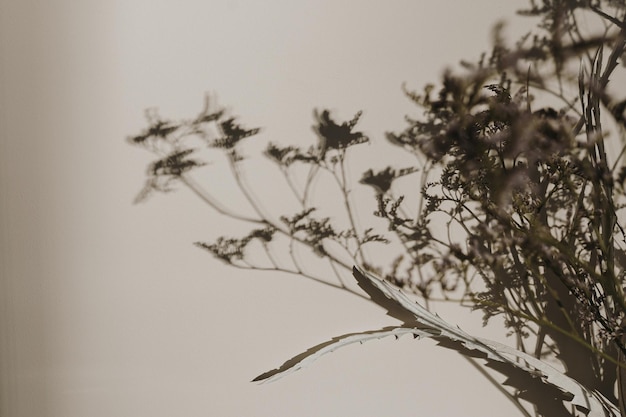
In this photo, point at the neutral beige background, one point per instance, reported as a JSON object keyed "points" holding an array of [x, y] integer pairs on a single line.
{"points": [[106, 308]]}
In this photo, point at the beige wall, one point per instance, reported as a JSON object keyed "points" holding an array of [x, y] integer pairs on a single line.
{"points": [[106, 308]]}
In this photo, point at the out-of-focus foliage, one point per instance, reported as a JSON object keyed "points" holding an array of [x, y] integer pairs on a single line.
{"points": [[520, 187]]}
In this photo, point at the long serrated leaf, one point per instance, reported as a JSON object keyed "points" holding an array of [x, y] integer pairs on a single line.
{"points": [[593, 403], [311, 355], [392, 298], [426, 324]]}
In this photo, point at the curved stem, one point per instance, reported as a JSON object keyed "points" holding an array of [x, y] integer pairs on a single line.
{"points": [[350, 211], [215, 204]]}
